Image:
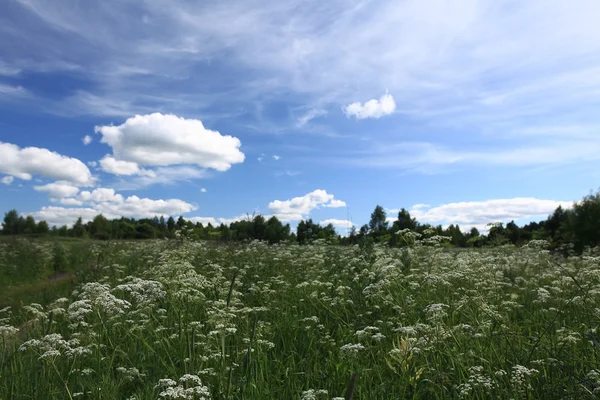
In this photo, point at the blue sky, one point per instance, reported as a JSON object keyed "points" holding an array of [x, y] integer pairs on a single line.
{"points": [[464, 112]]}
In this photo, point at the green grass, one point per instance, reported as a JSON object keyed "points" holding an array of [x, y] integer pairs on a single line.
{"points": [[290, 322]]}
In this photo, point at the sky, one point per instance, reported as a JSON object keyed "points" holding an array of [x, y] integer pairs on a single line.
{"points": [[464, 112]]}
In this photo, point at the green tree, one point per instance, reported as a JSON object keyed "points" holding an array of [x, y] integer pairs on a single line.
{"points": [[42, 227], [378, 224], [405, 221], [513, 233], [171, 224], [30, 224], [10, 225], [456, 236], [275, 231], [180, 222], [583, 224], [100, 228], [496, 234], [78, 228]]}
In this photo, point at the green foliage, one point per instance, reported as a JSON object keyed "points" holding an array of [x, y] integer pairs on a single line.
{"points": [[12, 223], [378, 223], [315, 321], [100, 228]]}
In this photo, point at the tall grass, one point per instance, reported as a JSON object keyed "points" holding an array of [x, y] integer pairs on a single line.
{"points": [[182, 320]]}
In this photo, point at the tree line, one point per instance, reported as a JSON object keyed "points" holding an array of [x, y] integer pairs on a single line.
{"points": [[575, 228]]}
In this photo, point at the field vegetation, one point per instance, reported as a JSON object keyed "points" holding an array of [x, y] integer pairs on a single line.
{"points": [[187, 319]]}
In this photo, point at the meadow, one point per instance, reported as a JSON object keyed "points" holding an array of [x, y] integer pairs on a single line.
{"points": [[181, 319]]}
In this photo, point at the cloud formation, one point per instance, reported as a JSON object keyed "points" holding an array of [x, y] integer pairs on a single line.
{"points": [[299, 207], [87, 139], [480, 213], [127, 168], [372, 109], [112, 205], [7, 180], [26, 162], [164, 140], [58, 190], [338, 223]]}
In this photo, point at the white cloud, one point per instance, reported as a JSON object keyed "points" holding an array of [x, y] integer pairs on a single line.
{"points": [[276, 157], [373, 108], [480, 213], [310, 115], [100, 195], [163, 140], [58, 190], [335, 204], [338, 223], [87, 139], [29, 161], [127, 168], [92, 164], [7, 180], [71, 202], [112, 205], [58, 216], [135, 207], [299, 207], [203, 190]]}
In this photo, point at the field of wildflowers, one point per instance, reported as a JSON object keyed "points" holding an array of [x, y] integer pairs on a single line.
{"points": [[180, 319]]}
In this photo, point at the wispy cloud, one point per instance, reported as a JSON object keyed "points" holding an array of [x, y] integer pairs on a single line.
{"points": [[491, 58], [433, 158], [310, 115]]}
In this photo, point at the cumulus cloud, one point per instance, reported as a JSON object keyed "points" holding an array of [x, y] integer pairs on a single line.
{"points": [[58, 190], [299, 207], [71, 202], [335, 204], [203, 190], [372, 109], [58, 216], [7, 180], [127, 168], [135, 207], [163, 140], [26, 162], [112, 205], [480, 213], [338, 223], [87, 139], [276, 157], [100, 195]]}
